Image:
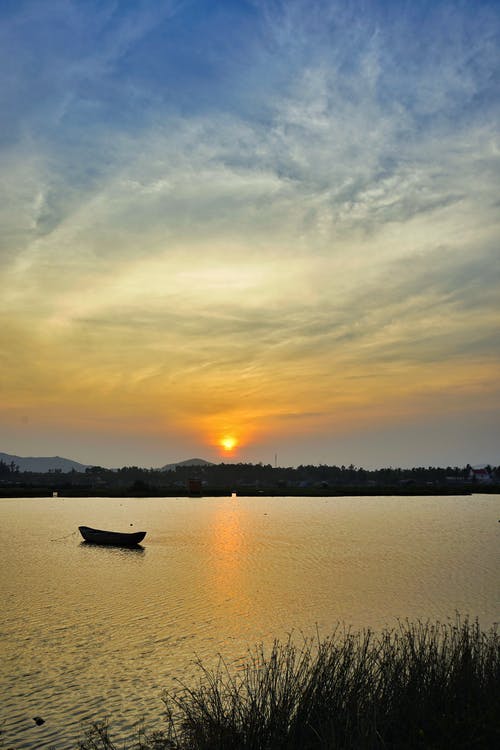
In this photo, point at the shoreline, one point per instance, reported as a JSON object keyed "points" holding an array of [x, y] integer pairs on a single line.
{"points": [[382, 491]]}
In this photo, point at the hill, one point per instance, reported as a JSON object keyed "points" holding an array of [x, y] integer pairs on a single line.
{"points": [[188, 462], [42, 464]]}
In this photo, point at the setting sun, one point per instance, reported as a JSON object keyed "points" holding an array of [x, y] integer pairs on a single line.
{"points": [[228, 443]]}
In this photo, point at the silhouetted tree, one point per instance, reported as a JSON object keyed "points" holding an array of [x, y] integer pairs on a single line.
{"points": [[6, 468]]}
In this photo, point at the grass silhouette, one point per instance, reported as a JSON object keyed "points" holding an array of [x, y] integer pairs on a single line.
{"points": [[421, 685]]}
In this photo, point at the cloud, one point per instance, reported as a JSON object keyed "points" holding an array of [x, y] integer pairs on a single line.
{"points": [[316, 254]]}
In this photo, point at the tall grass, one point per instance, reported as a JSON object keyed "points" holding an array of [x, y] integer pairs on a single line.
{"points": [[420, 685]]}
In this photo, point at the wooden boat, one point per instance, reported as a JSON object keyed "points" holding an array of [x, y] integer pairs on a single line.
{"points": [[112, 538]]}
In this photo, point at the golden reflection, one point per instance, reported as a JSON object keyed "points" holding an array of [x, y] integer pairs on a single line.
{"points": [[228, 549], [227, 537]]}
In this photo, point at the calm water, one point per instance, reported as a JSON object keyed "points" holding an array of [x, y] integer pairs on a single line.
{"points": [[88, 632]]}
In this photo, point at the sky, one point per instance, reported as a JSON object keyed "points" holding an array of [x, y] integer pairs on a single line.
{"points": [[274, 224]]}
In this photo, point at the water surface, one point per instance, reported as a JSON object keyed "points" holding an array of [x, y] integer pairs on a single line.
{"points": [[90, 631]]}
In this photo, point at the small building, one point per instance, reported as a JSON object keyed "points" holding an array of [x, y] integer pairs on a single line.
{"points": [[194, 487], [482, 476]]}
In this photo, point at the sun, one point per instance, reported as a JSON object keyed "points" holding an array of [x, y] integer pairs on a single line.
{"points": [[228, 443]]}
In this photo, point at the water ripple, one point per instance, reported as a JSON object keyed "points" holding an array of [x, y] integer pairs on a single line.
{"points": [[93, 632]]}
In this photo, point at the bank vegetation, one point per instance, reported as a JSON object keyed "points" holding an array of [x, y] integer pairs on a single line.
{"points": [[423, 685]]}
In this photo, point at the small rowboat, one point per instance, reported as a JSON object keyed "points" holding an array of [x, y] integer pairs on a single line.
{"points": [[112, 538]]}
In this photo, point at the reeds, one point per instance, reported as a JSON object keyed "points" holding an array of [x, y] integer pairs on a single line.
{"points": [[421, 685]]}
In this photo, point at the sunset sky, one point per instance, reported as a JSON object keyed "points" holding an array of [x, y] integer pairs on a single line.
{"points": [[271, 223]]}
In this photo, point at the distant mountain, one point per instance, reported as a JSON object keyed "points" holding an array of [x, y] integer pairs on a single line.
{"points": [[188, 462], [43, 464]]}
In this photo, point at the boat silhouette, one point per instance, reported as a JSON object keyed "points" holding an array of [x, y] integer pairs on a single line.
{"points": [[111, 538]]}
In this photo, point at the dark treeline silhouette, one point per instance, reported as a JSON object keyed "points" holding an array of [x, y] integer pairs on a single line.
{"points": [[251, 479], [8, 468]]}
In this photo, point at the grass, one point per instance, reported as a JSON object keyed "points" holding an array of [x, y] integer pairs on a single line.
{"points": [[422, 685]]}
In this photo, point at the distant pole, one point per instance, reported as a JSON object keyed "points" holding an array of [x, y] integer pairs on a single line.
{"points": [[275, 460]]}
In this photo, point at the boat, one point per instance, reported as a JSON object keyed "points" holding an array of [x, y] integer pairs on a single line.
{"points": [[111, 538]]}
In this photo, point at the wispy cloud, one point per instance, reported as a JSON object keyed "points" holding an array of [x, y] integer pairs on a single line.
{"points": [[310, 240]]}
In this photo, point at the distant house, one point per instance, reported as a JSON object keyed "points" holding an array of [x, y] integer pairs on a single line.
{"points": [[194, 487], [482, 476]]}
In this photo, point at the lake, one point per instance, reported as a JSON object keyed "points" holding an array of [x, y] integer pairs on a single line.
{"points": [[89, 632]]}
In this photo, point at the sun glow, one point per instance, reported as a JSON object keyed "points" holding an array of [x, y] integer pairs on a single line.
{"points": [[228, 443]]}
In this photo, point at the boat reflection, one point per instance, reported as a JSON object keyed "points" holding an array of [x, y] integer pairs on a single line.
{"points": [[137, 549]]}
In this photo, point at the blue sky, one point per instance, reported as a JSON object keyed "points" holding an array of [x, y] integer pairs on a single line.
{"points": [[275, 221]]}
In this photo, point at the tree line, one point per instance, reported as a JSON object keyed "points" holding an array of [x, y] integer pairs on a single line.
{"points": [[248, 476]]}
